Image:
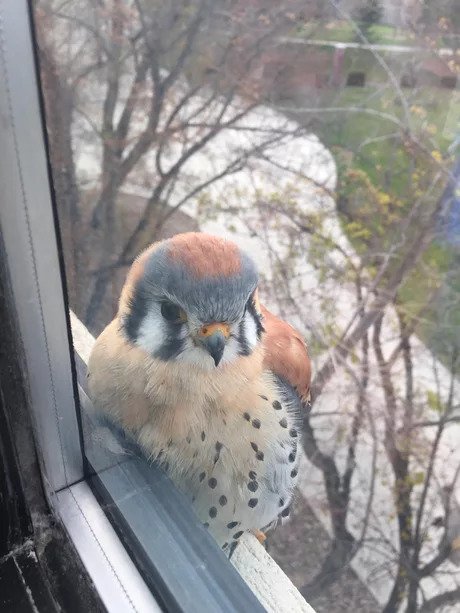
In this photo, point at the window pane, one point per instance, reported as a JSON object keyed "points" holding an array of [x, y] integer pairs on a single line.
{"points": [[323, 140]]}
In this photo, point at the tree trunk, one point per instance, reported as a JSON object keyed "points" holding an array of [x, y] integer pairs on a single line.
{"points": [[399, 460], [333, 566]]}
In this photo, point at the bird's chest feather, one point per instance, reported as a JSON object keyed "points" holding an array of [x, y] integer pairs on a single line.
{"points": [[234, 453]]}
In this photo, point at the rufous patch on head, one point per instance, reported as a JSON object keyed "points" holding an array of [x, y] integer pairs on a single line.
{"points": [[205, 255]]}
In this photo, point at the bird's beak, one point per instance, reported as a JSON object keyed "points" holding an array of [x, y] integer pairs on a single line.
{"points": [[213, 338]]}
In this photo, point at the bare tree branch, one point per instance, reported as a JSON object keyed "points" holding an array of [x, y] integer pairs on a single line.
{"points": [[434, 604]]}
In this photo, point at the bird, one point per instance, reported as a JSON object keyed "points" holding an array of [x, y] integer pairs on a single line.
{"points": [[212, 386]]}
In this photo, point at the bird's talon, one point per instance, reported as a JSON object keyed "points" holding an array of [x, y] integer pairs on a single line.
{"points": [[260, 536]]}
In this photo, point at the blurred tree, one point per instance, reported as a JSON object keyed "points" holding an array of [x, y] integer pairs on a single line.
{"points": [[171, 78], [368, 15]]}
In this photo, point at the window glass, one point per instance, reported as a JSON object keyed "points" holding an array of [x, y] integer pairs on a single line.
{"points": [[323, 140]]}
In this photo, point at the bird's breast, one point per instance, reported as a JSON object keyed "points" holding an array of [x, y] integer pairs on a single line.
{"points": [[236, 462]]}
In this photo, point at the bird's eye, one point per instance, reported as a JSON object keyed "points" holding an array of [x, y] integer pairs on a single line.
{"points": [[173, 313]]}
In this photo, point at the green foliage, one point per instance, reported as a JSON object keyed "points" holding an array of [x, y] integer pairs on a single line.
{"points": [[372, 216], [379, 180], [433, 401], [444, 336], [343, 31], [435, 13], [417, 478]]}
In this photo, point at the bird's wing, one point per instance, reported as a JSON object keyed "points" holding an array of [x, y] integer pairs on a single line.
{"points": [[286, 354]]}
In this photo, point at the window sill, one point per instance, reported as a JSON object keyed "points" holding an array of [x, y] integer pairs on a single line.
{"points": [[272, 587]]}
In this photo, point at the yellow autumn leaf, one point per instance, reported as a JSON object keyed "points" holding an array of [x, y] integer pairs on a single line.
{"points": [[383, 198], [417, 110]]}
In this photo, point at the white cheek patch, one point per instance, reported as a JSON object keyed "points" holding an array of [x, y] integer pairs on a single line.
{"points": [[230, 351], [250, 330], [152, 334]]}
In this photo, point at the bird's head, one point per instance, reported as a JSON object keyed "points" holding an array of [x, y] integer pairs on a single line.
{"points": [[192, 298]]}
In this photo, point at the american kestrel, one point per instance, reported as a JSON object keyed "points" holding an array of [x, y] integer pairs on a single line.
{"points": [[209, 382]]}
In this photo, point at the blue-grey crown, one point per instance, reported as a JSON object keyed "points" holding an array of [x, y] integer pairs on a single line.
{"points": [[211, 298]]}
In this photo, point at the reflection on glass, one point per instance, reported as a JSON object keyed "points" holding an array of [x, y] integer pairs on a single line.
{"points": [[323, 139]]}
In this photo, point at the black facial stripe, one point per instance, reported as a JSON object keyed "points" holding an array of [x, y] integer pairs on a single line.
{"points": [[252, 311], [138, 306], [242, 340], [245, 349], [170, 350], [173, 345]]}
